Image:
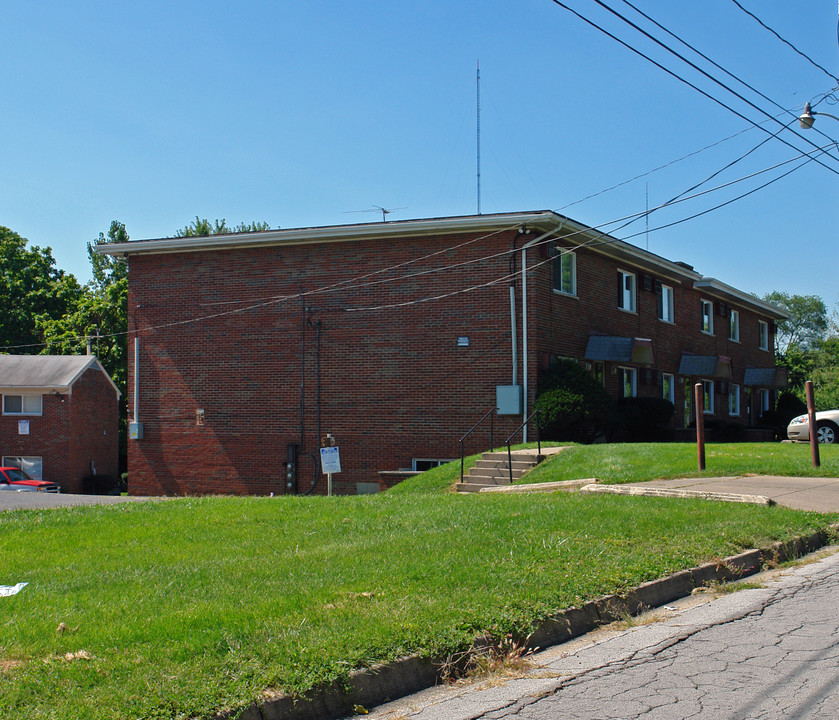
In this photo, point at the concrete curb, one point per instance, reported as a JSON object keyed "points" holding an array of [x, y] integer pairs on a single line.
{"points": [[667, 492], [542, 487], [377, 685]]}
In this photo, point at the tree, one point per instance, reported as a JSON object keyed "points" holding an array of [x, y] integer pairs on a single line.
{"points": [[202, 226], [806, 325], [33, 291], [100, 313]]}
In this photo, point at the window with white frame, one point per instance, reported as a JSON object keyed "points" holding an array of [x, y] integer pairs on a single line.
{"points": [[565, 272], [629, 381], [763, 335], [733, 399], [708, 396], [23, 404], [707, 317], [32, 466], [665, 303], [626, 291], [668, 387], [734, 326], [763, 401]]}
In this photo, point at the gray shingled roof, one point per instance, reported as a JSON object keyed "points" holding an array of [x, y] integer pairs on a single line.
{"points": [[44, 372]]}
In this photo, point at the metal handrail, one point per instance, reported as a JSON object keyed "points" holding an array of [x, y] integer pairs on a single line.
{"points": [[514, 433], [491, 414]]}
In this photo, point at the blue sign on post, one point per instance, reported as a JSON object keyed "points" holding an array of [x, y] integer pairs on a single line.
{"points": [[330, 460]]}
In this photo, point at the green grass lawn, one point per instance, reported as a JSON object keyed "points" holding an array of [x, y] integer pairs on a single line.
{"points": [[176, 609]]}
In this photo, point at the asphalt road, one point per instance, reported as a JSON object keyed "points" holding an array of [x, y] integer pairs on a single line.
{"points": [[767, 653], [36, 500]]}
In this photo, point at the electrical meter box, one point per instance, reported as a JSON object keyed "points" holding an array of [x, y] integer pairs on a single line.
{"points": [[508, 399]]}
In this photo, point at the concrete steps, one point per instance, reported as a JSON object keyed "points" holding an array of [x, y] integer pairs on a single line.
{"points": [[493, 470]]}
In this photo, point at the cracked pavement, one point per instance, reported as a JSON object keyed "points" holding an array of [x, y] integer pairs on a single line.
{"points": [[768, 652]]}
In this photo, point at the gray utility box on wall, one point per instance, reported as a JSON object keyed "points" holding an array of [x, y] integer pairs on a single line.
{"points": [[508, 399]]}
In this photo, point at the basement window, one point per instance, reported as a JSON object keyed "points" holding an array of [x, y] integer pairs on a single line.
{"points": [[423, 464]]}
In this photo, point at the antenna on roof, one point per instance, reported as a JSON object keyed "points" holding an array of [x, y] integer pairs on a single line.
{"points": [[478, 81], [384, 211]]}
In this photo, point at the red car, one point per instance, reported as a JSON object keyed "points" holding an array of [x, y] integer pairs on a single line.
{"points": [[16, 480]]}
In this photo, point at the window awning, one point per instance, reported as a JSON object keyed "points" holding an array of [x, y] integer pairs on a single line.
{"points": [[766, 377], [709, 366], [610, 348]]}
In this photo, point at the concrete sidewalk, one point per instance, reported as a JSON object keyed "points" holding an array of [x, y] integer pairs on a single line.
{"points": [[818, 494]]}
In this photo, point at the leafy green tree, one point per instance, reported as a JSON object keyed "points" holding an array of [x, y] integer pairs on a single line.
{"points": [[33, 291], [202, 226], [99, 315], [825, 375], [806, 325]]}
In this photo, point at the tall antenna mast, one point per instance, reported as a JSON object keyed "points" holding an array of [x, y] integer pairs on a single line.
{"points": [[478, 79]]}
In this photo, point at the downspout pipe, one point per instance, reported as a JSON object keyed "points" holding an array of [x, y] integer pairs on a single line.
{"points": [[524, 335], [136, 379]]}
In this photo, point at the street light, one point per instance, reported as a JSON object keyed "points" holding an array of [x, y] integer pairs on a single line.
{"points": [[807, 118]]}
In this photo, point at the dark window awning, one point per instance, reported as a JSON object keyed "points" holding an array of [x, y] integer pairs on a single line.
{"points": [[709, 366], [766, 377], [610, 348]]}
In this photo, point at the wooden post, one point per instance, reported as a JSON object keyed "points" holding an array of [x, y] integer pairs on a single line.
{"points": [[699, 394], [811, 417]]}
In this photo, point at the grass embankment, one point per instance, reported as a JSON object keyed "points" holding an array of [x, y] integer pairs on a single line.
{"points": [[178, 608], [649, 461]]}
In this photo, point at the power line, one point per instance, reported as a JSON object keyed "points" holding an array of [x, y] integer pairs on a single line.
{"points": [[684, 80], [786, 42], [602, 239], [713, 62]]}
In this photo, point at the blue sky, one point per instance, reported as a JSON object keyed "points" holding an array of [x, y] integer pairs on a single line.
{"points": [[298, 113]]}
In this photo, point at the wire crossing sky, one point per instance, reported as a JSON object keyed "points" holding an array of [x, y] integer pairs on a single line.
{"points": [[303, 114]]}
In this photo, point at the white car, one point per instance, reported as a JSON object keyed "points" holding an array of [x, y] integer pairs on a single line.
{"points": [[827, 427]]}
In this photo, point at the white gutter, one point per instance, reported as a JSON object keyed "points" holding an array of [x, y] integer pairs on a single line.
{"points": [[524, 355], [336, 233]]}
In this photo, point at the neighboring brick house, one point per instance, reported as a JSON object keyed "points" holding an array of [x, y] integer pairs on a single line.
{"points": [[396, 337], [60, 420]]}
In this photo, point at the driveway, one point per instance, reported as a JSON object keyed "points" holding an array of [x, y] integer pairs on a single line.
{"points": [[818, 494], [38, 500]]}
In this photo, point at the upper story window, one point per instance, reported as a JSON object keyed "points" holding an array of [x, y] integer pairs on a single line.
{"points": [[707, 317], [734, 326], [626, 291], [763, 335], [664, 300], [565, 272], [23, 404]]}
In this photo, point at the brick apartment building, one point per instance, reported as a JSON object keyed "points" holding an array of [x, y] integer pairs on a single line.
{"points": [[396, 337], [60, 419]]}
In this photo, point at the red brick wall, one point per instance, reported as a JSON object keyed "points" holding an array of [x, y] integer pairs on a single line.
{"points": [[563, 324], [94, 436], [47, 437], [394, 383], [223, 332]]}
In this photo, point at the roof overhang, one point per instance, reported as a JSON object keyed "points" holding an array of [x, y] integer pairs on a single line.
{"points": [[717, 289], [35, 380], [766, 377], [544, 221], [610, 348], [708, 366]]}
